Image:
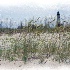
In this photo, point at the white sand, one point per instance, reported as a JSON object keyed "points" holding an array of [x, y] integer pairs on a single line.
{"points": [[32, 65]]}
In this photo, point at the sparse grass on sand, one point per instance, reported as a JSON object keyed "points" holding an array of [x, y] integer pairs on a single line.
{"points": [[23, 47]]}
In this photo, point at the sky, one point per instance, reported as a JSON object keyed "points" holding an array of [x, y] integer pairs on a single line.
{"points": [[20, 10], [41, 3]]}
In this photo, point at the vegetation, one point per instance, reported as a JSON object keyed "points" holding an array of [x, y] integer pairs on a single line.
{"points": [[36, 42]]}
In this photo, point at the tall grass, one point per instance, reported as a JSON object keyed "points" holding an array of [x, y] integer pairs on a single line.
{"points": [[38, 42]]}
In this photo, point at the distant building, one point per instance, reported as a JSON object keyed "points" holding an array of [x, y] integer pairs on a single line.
{"points": [[1, 24], [58, 19], [21, 26]]}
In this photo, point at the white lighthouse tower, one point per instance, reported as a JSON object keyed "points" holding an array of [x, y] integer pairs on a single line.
{"points": [[58, 19]]}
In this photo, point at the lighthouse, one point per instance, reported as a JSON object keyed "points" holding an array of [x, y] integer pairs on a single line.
{"points": [[58, 19]]}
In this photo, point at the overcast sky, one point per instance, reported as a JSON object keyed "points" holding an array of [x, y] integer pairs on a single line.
{"points": [[18, 9], [48, 7], [41, 3]]}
